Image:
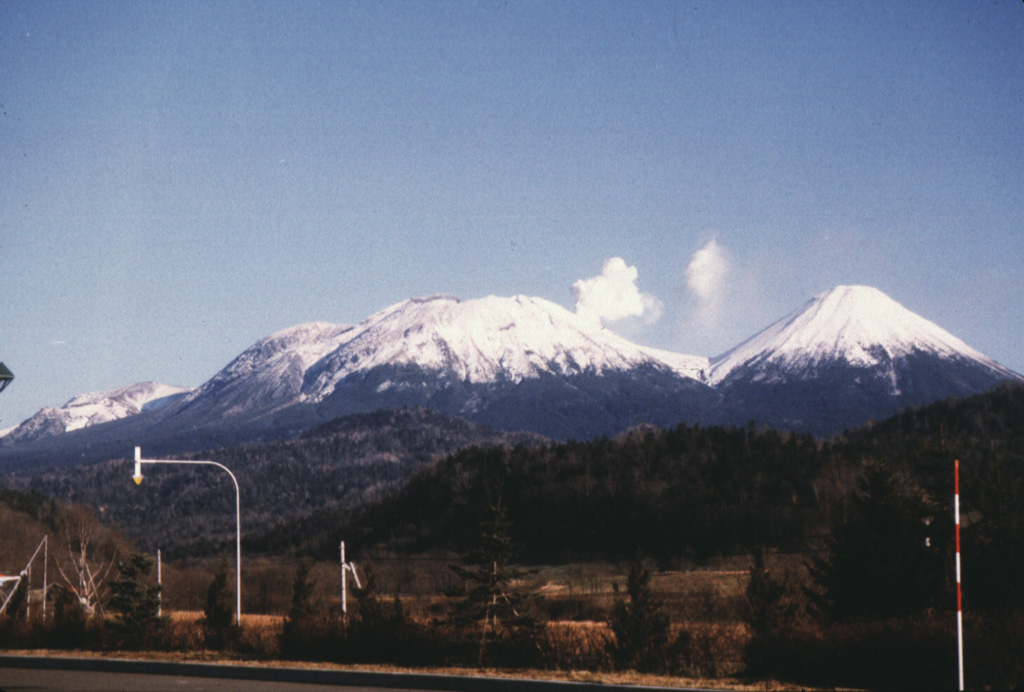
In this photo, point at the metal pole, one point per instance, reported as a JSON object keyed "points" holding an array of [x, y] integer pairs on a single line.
{"points": [[46, 560], [238, 516], [238, 553], [959, 597], [160, 583], [27, 573], [344, 590]]}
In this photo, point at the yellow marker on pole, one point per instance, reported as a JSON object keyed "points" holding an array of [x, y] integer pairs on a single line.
{"points": [[138, 467]]}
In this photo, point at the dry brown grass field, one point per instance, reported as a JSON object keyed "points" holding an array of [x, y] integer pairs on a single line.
{"points": [[577, 600]]}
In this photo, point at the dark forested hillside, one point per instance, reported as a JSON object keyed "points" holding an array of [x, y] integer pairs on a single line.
{"points": [[688, 492], [692, 492], [24, 519], [342, 464]]}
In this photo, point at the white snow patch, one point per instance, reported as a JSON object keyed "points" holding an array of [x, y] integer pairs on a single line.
{"points": [[487, 340], [856, 324]]}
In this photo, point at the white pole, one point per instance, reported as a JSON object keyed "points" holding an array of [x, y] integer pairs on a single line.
{"points": [[959, 597], [46, 560], [344, 590], [139, 461], [238, 553], [160, 583]]}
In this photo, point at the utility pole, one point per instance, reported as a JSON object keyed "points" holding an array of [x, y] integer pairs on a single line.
{"points": [[160, 583], [959, 599], [344, 586]]}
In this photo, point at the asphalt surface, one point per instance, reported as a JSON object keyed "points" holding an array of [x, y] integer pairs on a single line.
{"points": [[27, 680], [38, 674]]}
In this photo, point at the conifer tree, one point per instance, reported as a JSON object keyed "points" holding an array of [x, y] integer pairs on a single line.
{"points": [[134, 601], [303, 608], [381, 632], [218, 610], [489, 597], [771, 611], [300, 624], [640, 624], [880, 562]]}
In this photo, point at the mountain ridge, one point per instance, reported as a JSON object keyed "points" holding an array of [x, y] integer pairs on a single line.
{"points": [[846, 356], [95, 408]]}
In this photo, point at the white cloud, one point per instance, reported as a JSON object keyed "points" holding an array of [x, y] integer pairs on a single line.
{"points": [[707, 271], [614, 295]]}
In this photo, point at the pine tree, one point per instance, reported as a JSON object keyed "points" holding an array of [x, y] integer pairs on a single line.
{"points": [[134, 601], [640, 625], [879, 562], [301, 623], [771, 611], [218, 611], [489, 598]]}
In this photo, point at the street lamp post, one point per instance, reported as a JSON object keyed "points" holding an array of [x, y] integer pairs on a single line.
{"points": [[139, 461]]}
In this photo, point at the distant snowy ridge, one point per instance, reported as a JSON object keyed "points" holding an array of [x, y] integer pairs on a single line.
{"points": [[858, 325], [118, 403], [94, 408]]}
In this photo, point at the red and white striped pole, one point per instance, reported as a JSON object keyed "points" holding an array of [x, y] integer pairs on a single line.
{"points": [[959, 598]]}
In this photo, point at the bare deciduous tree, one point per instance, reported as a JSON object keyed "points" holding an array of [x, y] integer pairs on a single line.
{"points": [[91, 554]]}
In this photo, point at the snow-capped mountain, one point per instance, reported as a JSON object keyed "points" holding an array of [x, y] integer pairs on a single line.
{"points": [[95, 408], [848, 355], [512, 363], [485, 341], [521, 363], [423, 351]]}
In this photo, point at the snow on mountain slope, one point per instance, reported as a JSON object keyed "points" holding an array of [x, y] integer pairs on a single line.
{"points": [[270, 371], [856, 325], [486, 340], [97, 407]]}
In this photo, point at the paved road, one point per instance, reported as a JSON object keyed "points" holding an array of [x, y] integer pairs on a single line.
{"points": [[26, 680], [37, 674]]}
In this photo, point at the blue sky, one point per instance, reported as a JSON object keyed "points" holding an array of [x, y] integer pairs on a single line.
{"points": [[180, 179]]}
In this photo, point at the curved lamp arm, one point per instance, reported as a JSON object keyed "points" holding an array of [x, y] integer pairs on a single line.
{"points": [[139, 461]]}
